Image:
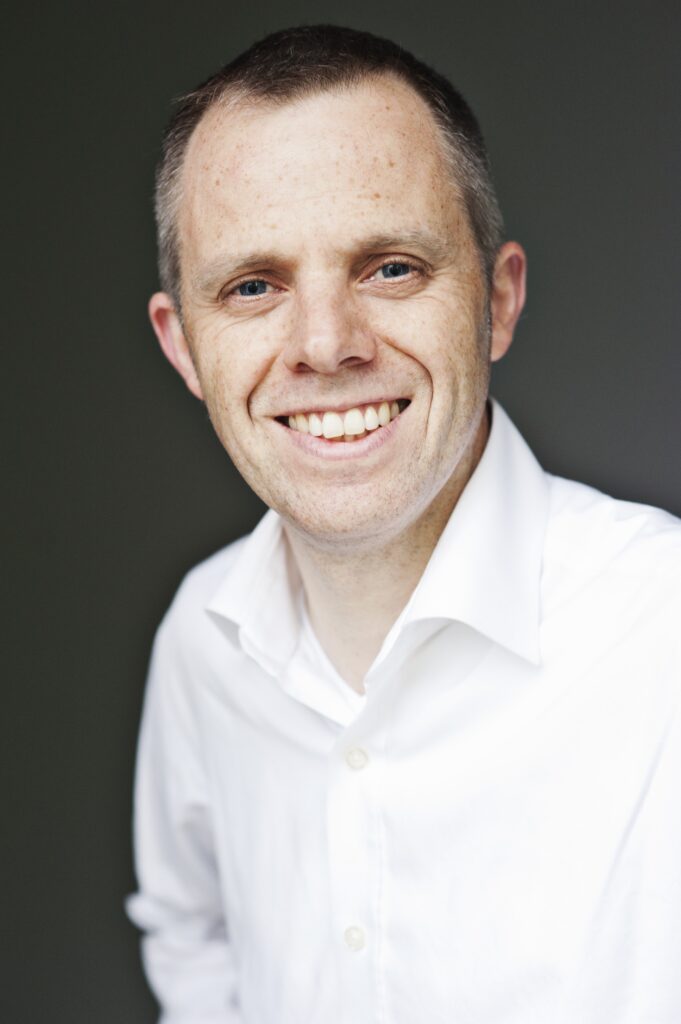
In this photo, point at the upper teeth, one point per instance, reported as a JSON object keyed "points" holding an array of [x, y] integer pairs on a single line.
{"points": [[352, 423]]}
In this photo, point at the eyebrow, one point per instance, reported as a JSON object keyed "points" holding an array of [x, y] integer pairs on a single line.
{"points": [[431, 247], [213, 273]]}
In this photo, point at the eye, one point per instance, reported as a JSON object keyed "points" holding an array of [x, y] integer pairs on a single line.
{"points": [[251, 289], [389, 271]]}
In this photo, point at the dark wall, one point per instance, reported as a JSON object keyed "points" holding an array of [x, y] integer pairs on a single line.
{"points": [[115, 481]]}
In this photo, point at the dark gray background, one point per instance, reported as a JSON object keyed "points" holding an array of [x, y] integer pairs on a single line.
{"points": [[115, 482]]}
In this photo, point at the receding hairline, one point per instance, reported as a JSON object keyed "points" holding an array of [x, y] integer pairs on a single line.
{"points": [[239, 99]]}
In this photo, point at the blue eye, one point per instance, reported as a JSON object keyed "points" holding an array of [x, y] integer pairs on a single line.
{"points": [[391, 270], [251, 288]]}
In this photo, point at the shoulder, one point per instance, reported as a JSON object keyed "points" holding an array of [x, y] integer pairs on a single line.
{"points": [[618, 562], [186, 623], [595, 531], [199, 584], [188, 647]]}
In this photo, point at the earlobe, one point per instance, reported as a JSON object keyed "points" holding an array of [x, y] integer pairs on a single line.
{"points": [[507, 296], [169, 331]]}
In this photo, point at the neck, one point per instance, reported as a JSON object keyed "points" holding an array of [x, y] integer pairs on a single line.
{"points": [[355, 595]]}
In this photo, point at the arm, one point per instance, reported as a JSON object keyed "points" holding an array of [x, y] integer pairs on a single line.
{"points": [[186, 952]]}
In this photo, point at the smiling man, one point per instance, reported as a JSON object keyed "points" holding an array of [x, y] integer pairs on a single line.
{"points": [[409, 750]]}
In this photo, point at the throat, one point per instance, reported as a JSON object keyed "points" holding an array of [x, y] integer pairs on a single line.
{"points": [[352, 603], [351, 653]]}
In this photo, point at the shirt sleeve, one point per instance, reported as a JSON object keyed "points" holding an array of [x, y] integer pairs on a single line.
{"points": [[186, 950]]}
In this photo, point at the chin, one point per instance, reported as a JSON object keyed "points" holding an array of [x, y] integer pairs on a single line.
{"points": [[348, 529]]}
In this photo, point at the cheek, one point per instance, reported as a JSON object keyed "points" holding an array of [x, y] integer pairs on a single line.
{"points": [[445, 336], [232, 364]]}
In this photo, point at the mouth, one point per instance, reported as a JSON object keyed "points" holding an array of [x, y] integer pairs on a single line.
{"points": [[345, 424]]}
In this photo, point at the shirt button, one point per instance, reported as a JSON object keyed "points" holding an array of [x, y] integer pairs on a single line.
{"points": [[354, 938], [356, 758]]}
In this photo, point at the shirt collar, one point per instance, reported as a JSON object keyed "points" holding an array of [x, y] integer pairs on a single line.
{"points": [[485, 570], [259, 595]]}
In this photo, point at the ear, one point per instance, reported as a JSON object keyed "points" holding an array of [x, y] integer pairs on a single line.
{"points": [[169, 331], [507, 296]]}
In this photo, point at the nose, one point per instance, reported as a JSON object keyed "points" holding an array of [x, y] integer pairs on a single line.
{"points": [[327, 333]]}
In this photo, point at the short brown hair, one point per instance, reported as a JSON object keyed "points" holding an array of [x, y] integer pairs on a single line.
{"points": [[300, 61]]}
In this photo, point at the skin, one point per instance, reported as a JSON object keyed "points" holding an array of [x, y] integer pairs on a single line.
{"points": [[311, 199]]}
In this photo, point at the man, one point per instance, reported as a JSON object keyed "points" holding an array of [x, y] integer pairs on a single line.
{"points": [[410, 750]]}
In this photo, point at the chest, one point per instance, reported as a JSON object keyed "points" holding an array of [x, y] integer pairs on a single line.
{"points": [[473, 817]]}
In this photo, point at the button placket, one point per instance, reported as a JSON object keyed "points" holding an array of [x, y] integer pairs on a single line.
{"points": [[353, 877]]}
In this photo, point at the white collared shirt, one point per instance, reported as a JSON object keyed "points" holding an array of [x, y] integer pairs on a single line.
{"points": [[490, 835]]}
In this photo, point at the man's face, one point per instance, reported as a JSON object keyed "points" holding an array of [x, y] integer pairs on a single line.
{"points": [[328, 265]]}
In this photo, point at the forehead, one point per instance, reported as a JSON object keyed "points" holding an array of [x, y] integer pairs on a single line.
{"points": [[360, 160]]}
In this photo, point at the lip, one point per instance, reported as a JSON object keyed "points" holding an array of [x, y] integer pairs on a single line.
{"points": [[339, 451]]}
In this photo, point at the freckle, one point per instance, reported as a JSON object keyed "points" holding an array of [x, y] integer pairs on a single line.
{"points": [[377, 195]]}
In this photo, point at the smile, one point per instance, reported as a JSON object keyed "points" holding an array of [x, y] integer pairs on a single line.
{"points": [[346, 425]]}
